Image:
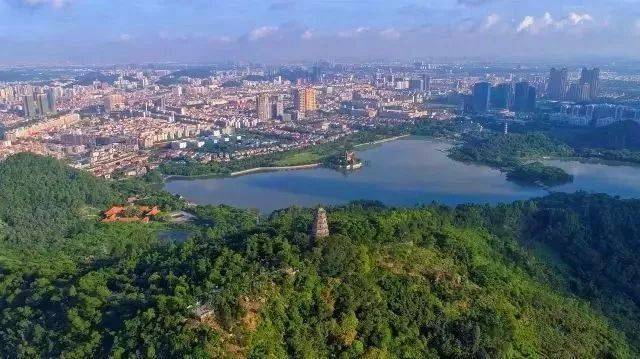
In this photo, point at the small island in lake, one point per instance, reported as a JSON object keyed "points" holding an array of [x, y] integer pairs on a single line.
{"points": [[537, 173], [346, 160]]}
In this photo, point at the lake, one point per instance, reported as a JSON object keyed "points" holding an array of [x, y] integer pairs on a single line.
{"points": [[407, 172]]}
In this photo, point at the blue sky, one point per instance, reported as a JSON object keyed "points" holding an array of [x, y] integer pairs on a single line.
{"points": [[105, 31]]}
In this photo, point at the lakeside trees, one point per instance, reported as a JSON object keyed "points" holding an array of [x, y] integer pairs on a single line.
{"points": [[509, 152], [538, 173]]}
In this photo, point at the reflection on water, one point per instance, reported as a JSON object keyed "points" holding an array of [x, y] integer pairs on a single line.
{"points": [[617, 180], [407, 172]]}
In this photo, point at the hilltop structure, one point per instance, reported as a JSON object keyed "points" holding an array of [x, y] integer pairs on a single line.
{"points": [[320, 226]]}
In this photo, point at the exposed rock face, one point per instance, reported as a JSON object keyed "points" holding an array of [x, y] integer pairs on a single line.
{"points": [[320, 227]]}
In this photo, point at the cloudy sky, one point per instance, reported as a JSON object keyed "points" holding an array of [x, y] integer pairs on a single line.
{"points": [[119, 31]]}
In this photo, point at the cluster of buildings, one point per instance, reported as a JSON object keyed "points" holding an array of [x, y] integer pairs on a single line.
{"points": [[578, 100], [41, 104], [522, 96], [518, 97], [303, 103], [587, 88], [127, 121], [595, 114]]}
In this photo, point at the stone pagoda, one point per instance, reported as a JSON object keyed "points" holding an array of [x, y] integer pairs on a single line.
{"points": [[320, 227]]}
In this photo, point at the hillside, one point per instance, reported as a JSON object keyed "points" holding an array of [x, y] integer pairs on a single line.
{"points": [[504, 151], [43, 199], [591, 241], [617, 136], [414, 283]]}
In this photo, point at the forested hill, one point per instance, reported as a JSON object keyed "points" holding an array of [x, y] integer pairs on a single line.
{"points": [[592, 241], [413, 283], [617, 136], [41, 199]]}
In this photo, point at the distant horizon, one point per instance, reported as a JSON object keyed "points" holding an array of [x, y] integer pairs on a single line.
{"points": [[575, 62], [56, 32]]}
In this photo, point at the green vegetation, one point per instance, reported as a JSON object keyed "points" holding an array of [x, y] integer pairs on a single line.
{"points": [[193, 168], [617, 136], [314, 154], [301, 158], [611, 155], [617, 142], [591, 241], [42, 198], [510, 152], [441, 129], [192, 72], [538, 173], [414, 283]]}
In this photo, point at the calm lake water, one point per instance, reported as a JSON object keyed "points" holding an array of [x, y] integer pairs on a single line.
{"points": [[406, 172]]}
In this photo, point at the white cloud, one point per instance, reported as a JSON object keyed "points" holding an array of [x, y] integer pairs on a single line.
{"points": [[491, 21], [578, 19], [526, 23], [390, 34], [220, 39], [262, 32], [547, 19], [125, 37], [354, 32], [536, 25], [307, 35], [53, 3]]}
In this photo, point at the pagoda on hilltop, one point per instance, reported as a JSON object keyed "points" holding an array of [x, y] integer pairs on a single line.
{"points": [[320, 226]]}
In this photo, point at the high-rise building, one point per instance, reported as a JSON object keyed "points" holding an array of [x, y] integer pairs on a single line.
{"points": [[502, 96], [573, 93], [481, 96], [160, 103], [29, 106], [304, 99], [42, 104], [524, 98], [592, 78], [316, 74], [557, 84], [426, 83], [277, 108], [585, 93], [113, 102], [416, 85], [263, 107], [39, 104], [530, 104], [52, 99]]}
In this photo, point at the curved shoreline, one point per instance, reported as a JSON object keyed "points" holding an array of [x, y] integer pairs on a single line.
{"points": [[275, 168], [381, 141], [167, 178]]}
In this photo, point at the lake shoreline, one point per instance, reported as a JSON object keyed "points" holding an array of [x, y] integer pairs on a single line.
{"points": [[273, 169], [384, 140], [403, 173], [169, 178]]}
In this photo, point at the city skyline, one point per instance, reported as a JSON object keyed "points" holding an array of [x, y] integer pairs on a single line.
{"points": [[82, 32]]}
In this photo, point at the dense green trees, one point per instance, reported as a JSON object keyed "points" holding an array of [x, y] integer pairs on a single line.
{"points": [[538, 173], [510, 153], [413, 283], [41, 198], [508, 150], [589, 241], [617, 136]]}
